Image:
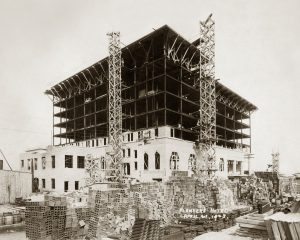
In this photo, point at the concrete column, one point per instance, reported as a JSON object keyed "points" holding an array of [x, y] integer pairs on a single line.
{"points": [[249, 165], [242, 167], [234, 167]]}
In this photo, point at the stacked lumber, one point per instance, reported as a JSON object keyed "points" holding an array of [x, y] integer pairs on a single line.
{"points": [[282, 226], [253, 225]]}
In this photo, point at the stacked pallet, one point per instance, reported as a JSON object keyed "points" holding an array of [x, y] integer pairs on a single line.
{"points": [[282, 226], [253, 225]]}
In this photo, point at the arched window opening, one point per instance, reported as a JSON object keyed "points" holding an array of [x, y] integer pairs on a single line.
{"points": [[157, 160], [126, 168], [221, 165], [146, 164], [103, 163], [191, 162], [174, 161]]}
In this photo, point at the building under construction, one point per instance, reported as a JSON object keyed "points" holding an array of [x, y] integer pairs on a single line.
{"points": [[160, 101], [158, 89]]}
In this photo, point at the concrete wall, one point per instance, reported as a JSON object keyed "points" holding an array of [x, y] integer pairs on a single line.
{"points": [[3, 164], [150, 144], [60, 173], [13, 185], [165, 145]]}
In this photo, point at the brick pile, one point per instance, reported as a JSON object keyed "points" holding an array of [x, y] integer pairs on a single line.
{"points": [[146, 230], [113, 211], [51, 219], [46, 219], [76, 219], [37, 221]]}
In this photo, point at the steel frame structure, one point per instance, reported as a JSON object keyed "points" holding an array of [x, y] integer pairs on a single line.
{"points": [[115, 104], [163, 63], [161, 84]]}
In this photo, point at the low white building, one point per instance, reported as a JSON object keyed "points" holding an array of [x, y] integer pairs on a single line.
{"points": [[149, 155]]}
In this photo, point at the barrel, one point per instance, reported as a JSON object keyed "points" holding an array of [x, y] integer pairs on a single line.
{"points": [[8, 220], [22, 216], [17, 218]]}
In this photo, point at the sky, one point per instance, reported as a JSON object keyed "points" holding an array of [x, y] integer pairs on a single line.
{"points": [[257, 56]]}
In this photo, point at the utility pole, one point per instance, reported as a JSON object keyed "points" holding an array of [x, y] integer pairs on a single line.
{"points": [[249, 156]]}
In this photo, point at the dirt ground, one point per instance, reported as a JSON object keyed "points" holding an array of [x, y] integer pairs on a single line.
{"points": [[13, 236], [226, 234], [223, 235]]}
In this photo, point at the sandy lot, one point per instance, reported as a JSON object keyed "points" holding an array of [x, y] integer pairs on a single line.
{"points": [[13, 236]]}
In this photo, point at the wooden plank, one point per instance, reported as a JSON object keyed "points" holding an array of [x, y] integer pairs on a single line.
{"points": [[275, 230], [297, 228], [293, 231], [252, 222], [262, 215], [245, 225], [281, 230], [286, 230], [254, 218], [269, 229], [253, 231]]}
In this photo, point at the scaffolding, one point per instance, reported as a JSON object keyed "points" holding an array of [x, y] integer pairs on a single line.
{"points": [[160, 87], [115, 104], [207, 87], [275, 162]]}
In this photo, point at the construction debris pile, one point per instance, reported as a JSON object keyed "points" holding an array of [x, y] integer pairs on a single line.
{"points": [[113, 211], [254, 190]]}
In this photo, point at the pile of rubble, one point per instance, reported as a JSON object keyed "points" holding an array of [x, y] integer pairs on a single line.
{"points": [[113, 211], [253, 190]]}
